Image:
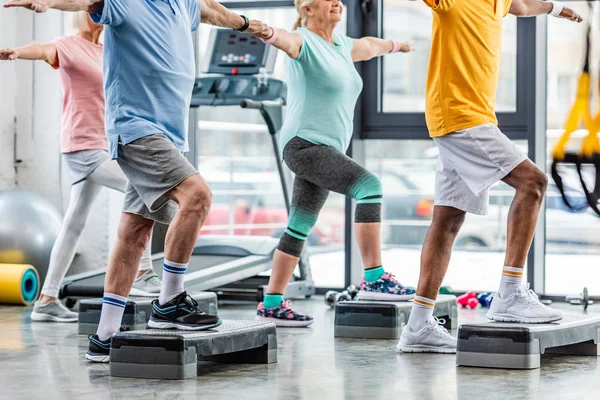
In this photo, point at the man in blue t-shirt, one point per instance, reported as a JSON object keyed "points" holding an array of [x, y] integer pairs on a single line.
{"points": [[149, 72]]}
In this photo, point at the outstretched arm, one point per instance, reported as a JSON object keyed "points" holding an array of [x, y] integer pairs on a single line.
{"points": [[214, 13], [41, 6], [371, 47], [533, 8], [44, 52], [288, 42]]}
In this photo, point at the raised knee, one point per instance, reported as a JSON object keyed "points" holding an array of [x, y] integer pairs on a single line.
{"points": [[368, 189], [198, 200], [535, 186], [450, 223]]}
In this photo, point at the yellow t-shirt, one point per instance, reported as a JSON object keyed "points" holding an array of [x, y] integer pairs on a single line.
{"points": [[464, 64]]}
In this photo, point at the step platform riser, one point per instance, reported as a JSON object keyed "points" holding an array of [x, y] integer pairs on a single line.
{"points": [[162, 354], [384, 319], [521, 346]]}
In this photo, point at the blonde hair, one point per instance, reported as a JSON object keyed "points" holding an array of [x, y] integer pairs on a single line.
{"points": [[300, 6], [79, 20]]}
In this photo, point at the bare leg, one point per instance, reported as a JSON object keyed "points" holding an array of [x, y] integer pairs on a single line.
{"points": [[133, 236], [281, 275], [369, 242], [437, 249], [110, 175], [530, 184], [194, 198]]}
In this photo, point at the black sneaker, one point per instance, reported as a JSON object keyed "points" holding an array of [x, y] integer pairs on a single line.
{"points": [[99, 351], [181, 313]]}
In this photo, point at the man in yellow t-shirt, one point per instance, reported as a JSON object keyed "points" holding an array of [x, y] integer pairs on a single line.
{"points": [[473, 155]]}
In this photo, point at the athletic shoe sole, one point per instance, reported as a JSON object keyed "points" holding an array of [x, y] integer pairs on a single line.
{"points": [[362, 295], [285, 324], [40, 317], [424, 349], [142, 293], [517, 319], [172, 325], [103, 358]]}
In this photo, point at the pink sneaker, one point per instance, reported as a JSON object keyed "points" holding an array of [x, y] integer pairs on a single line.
{"points": [[386, 288], [283, 315]]}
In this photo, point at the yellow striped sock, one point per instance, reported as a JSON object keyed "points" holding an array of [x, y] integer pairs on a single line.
{"points": [[424, 301]]}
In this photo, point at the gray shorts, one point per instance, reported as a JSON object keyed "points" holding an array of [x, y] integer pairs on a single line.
{"points": [[469, 162], [82, 163], [153, 166]]}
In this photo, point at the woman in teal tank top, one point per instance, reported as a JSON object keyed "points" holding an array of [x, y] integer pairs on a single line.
{"points": [[323, 87]]}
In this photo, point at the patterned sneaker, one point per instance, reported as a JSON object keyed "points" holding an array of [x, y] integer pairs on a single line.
{"points": [[522, 306], [433, 338], [283, 315], [181, 313], [53, 311], [386, 288], [98, 351], [147, 285]]}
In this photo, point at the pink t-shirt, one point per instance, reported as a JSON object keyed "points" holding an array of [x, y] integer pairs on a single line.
{"points": [[80, 70]]}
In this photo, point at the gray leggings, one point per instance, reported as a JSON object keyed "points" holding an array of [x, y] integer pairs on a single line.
{"points": [[318, 170]]}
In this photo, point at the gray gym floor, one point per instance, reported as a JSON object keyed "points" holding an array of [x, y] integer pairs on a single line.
{"points": [[46, 361]]}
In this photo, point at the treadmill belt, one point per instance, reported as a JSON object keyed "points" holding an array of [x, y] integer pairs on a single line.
{"points": [[198, 263], [93, 286]]}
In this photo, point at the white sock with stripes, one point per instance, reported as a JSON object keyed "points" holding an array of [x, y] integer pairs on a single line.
{"points": [[421, 312], [172, 281], [113, 307], [511, 280]]}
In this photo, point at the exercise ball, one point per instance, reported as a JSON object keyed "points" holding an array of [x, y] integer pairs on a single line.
{"points": [[29, 226]]}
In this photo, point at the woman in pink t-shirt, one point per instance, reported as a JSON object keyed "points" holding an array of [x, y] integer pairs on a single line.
{"points": [[78, 59]]}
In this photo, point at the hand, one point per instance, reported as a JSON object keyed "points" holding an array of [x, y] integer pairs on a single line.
{"points": [[406, 47], [9, 54], [569, 14], [39, 6], [259, 30]]}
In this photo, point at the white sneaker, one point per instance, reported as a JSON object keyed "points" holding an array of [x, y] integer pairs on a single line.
{"points": [[147, 285], [433, 338], [522, 306]]}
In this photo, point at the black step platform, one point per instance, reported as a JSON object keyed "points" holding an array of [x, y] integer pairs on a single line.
{"points": [[520, 346], [137, 311], [383, 319], [163, 354]]}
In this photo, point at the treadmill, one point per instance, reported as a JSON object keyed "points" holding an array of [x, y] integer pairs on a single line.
{"points": [[232, 266]]}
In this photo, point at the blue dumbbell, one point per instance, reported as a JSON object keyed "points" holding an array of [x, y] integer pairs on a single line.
{"points": [[485, 299]]}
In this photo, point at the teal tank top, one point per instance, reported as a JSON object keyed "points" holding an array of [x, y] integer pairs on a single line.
{"points": [[323, 87]]}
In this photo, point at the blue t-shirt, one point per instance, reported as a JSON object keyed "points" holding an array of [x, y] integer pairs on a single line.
{"points": [[323, 86], [148, 68]]}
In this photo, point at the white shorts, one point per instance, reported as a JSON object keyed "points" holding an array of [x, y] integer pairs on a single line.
{"points": [[469, 162]]}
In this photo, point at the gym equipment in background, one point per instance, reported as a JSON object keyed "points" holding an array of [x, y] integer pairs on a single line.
{"points": [[28, 229], [446, 290], [589, 155], [19, 284], [468, 299], [332, 297], [520, 346], [485, 299], [236, 65], [581, 299]]}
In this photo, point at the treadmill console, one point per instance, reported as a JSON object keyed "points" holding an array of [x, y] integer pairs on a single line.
{"points": [[238, 68], [234, 53]]}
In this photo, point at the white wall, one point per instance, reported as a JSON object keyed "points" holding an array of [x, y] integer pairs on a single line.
{"points": [[34, 97], [7, 106]]}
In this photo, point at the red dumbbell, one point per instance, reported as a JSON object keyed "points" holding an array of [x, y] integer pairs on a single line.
{"points": [[468, 299]]}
